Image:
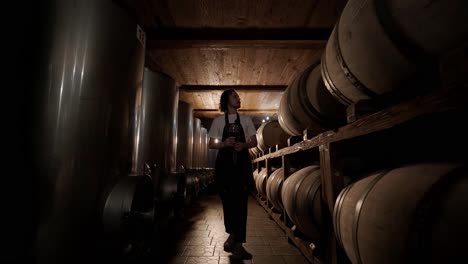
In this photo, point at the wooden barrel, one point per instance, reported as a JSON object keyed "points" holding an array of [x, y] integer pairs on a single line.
{"points": [[255, 175], [413, 214], [270, 134], [273, 188], [260, 182], [302, 200], [307, 104], [254, 152], [377, 46]]}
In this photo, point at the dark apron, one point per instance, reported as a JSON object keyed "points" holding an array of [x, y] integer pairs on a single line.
{"points": [[233, 179], [233, 170]]}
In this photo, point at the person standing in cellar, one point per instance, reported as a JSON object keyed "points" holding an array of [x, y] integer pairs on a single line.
{"points": [[233, 134]]}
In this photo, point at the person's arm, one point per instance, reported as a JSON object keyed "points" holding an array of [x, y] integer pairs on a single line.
{"points": [[252, 142], [214, 134], [249, 144]]}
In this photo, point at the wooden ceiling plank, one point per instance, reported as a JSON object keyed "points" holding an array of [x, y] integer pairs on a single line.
{"points": [[261, 16], [186, 97], [253, 88], [162, 13], [209, 60], [247, 62], [274, 100], [184, 12], [179, 33], [325, 13], [234, 14], [301, 64], [215, 97], [261, 99], [291, 64], [202, 100], [179, 59], [193, 66], [292, 13], [229, 67], [235, 44], [293, 67], [241, 60], [278, 60], [260, 57], [190, 67], [267, 67], [251, 100], [216, 63]]}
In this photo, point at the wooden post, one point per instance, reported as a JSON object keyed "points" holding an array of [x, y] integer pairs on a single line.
{"points": [[287, 171], [268, 172], [332, 183], [286, 166]]}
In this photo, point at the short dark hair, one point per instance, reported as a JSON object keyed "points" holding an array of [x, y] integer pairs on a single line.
{"points": [[224, 99]]}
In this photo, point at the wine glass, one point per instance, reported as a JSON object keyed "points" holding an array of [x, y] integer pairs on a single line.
{"points": [[233, 131]]}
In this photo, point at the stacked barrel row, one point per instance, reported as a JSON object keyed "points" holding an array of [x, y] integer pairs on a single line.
{"points": [[379, 50], [298, 195], [396, 215], [408, 214]]}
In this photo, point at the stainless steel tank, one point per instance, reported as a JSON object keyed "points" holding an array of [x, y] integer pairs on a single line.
{"points": [[203, 148], [157, 140], [84, 107], [184, 135], [158, 125], [196, 159]]}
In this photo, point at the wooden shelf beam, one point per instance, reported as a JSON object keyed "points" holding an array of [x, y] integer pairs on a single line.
{"points": [[440, 101]]}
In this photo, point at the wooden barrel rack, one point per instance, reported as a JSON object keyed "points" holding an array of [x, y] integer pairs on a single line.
{"points": [[425, 128]]}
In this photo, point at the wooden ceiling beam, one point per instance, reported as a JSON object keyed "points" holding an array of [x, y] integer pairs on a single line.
{"points": [[249, 111], [179, 33], [219, 38], [235, 44], [249, 88]]}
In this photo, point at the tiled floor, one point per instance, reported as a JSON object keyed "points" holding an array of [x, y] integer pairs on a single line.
{"points": [[199, 236]]}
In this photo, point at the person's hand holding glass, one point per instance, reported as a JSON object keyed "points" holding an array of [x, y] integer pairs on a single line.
{"points": [[234, 133]]}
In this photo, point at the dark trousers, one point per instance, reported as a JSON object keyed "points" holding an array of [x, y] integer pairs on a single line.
{"points": [[235, 212]]}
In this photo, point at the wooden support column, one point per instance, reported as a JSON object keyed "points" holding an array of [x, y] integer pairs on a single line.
{"points": [[286, 166], [287, 172], [332, 181], [268, 173]]}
